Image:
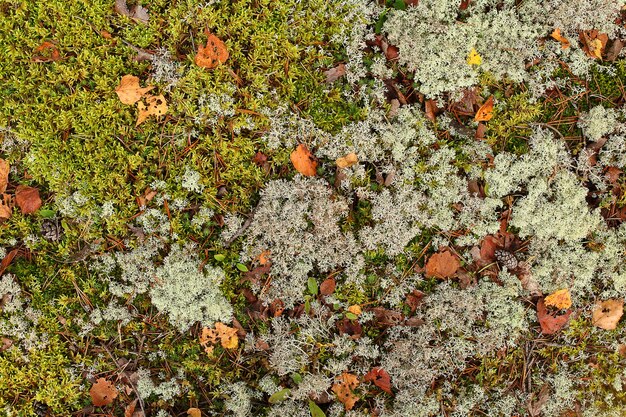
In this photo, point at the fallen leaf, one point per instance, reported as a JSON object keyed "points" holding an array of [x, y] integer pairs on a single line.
{"points": [[560, 299], [194, 412], [130, 409], [355, 309], [327, 287], [335, 73], [556, 34], [350, 327], [430, 108], [348, 160], [606, 314], [213, 54], [442, 265], [5, 343], [102, 393], [485, 112], [304, 161], [380, 378], [4, 175], [614, 50], [137, 12], [392, 52], [480, 131], [264, 257], [593, 42], [473, 58], [550, 324], [46, 52], [343, 387], [315, 410], [227, 336], [27, 198], [154, 106], [129, 90]]}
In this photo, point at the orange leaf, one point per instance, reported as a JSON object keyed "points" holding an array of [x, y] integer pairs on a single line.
{"points": [[213, 54], [593, 42], [550, 324], [380, 378], [556, 34], [27, 198], [129, 91], [355, 309], [304, 161], [347, 161], [4, 175], [102, 393], [154, 106], [47, 52], [606, 314], [485, 112], [194, 412], [442, 265], [130, 409], [560, 299], [264, 257], [343, 387], [228, 335]]}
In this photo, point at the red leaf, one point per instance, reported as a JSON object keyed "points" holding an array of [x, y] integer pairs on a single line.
{"points": [[328, 286], [550, 324], [380, 378]]}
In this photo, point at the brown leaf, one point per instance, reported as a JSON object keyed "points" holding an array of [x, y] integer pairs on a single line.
{"points": [[304, 161], [8, 258], [194, 412], [130, 409], [485, 112], [129, 91], [385, 317], [213, 54], [550, 324], [431, 110], [46, 52], [27, 198], [593, 42], [5, 343], [347, 161], [613, 51], [4, 175], [556, 34], [154, 106], [392, 52], [343, 387], [259, 158], [480, 131], [350, 327], [328, 286], [335, 73], [6, 209], [442, 265], [380, 378], [414, 299], [560, 299], [102, 393], [606, 314], [137, 12]]}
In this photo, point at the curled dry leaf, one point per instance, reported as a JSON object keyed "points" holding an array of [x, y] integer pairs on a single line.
{"points": [[485, 112], [606, 314], [343, 387], [129, 91], [304, 161], [347, 161], [335, 73], [27, 198], [380, 378], [264, 257], [560, 299], [4, 175], [46, 52], [442, 265], [227, 336], [137, 12], [556, 34], [213, 54], [154, 106], [130, 409], [593, 42], [102, 393], [550, 324]]}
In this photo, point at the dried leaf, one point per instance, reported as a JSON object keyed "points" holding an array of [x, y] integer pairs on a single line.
{"points": [[46, 52], [348, 160], [327, 287], [304, 161], [264, 257], [335, 73], [355, 309], [556, 34], [485, 112], [27, 198], [343, 387], [442, 265], [550, 324], [129, 91], [194, 412], [130, 409], [102, 393], [560, 299], [227, 337], [593, 42], [430, 108], [380, 378], [137, 13], [473, 58], [213, 54], [154, 106], [614, 50], [4, 175], [606, 314]]}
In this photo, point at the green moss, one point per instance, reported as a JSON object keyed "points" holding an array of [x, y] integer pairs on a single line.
{"points": [[510, 125]]}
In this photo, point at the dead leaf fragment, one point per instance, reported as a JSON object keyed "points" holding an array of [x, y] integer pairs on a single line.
{"points": [[227, 336], [380, 378], [4, 175], [304, 161], [129, 90], [130, 409], [27, 198], [485, 112], [549, 323], [213, 54], [102, 393], [46, 52], [560, 299], [335, 73], [137, 12], [154, 106], [593, 42], [194, 412], [343, 387], [327, 287], [442, 265], [347, 161], [606, 314], [556, 34], [355, 309]]}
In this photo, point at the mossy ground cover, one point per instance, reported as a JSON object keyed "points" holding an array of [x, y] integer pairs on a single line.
{"points": [[198, 175]]}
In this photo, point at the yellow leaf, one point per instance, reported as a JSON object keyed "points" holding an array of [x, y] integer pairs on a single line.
{"points": [[347, 161], [474, 58], [228, 336], [129, 91], [560, 299], [154, 106], [556, 34]]}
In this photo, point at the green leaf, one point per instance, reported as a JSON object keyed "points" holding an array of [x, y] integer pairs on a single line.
{"points": [[219, 257], [279, 396], [296, 378], [351, 316], [315, 410], [381, 21], [242, 267], [47, 213], [313, 287], [307, 306]]}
